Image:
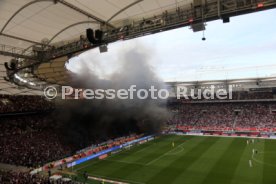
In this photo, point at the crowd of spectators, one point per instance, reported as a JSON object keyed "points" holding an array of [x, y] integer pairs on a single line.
{"points": [[23, 103], [17, 177], [224, 115], [245, 95], [258, 115], [36, 141], [95, 148], [33, 139], [108, 144]]}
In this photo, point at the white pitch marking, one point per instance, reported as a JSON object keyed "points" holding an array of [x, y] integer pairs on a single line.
{"points": [[164, 154]]}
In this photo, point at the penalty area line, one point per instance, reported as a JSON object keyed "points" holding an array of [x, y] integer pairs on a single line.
{"points": [[261, 162], [164, 154]]}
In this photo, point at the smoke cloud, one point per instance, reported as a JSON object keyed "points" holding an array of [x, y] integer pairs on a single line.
{"points": [[84, 121]]}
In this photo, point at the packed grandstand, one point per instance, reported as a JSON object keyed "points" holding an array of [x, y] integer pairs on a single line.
{"points": [[45, 139], [31, 134]]}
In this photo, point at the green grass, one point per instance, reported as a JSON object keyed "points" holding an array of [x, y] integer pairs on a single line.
{"points": [[193, 160]]}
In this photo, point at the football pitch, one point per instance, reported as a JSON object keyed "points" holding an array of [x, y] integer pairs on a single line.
{"points": [[192, 160]]}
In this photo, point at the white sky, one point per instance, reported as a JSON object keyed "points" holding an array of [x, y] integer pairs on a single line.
{"points": [[243, 48]]}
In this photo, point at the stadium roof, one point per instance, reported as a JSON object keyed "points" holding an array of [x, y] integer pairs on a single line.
{"points": [[35, 20], [27, 22]]}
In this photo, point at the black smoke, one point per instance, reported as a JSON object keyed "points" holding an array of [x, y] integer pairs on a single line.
{"points": [[85, 121]]}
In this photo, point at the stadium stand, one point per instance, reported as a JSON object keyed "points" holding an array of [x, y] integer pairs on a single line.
{"points": [[12, 177], [23, 103], [239, 95], [33, 139], [43, 39], [255, 95], [225, 116]]}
